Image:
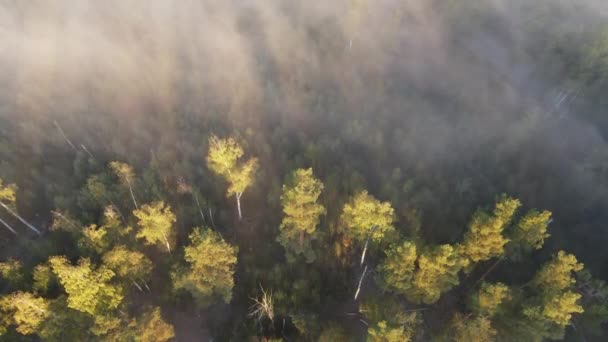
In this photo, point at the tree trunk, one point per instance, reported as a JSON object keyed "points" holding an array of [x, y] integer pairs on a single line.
{"points": [[238, 206], [211, 217], [167, 243], [360, 282], [20, 218], [198, 205], [137, 285], [132, 196], [364, 251], [8, 226]]}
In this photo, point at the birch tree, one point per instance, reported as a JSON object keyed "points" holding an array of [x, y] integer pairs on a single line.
{"points": [[25, 311], [131, 267], [223, 158], [301, 214], [364, 218], [156, 224], [126, 175]]}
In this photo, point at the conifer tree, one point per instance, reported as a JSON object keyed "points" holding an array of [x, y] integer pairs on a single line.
{"points": [[211, 266], [301, 214], [484, 239]]}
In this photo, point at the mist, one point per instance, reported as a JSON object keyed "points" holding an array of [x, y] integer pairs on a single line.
{"points": [[464, 97]]}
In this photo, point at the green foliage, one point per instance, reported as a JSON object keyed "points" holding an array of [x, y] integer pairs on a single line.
{"points": [[65, 324], [7, 194], [484, 239], [301, 214], [531, 230], [334, 333], [437, 273], [364, 216], [557, 274], [155, 223], [211, 265], [465, 329], [88, 290], [11, 271], [152, 328], [26, 311], [223, 159], [489, 298], [43, 278], [398, 268], [382, 332], [128, 265]]}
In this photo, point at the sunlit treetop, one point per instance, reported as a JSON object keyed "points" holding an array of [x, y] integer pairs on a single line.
{"points": [[25, 311], [488, 299], [155, 223], [398, 268], [560, 308], [124, 171], [89, 290], [152, 328], [531, 230], [466, 329], [484, 239], [241, 178], [364, 216], [7, 193], [223, 155], [557, 274], [127, 264], [211, 266]]}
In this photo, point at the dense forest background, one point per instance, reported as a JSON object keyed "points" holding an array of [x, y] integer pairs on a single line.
{"points": [[437, 107]]}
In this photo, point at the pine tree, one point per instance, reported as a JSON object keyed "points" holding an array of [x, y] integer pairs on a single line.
{"points": [[484, 239], [557, 274], [211, 265], [397, 270], [437, 273], [301, 214]]}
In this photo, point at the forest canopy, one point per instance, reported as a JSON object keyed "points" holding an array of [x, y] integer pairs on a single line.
{"points": [[304, 171]]}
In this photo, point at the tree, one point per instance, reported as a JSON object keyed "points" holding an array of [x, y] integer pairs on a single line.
{"points": [[152, 328], [302, 213], [43, 278], [223, 159], [489, 298], [465, 329], [367, 218], [26, 311], [397, 270], [12, 272], [88, 290], [530, 232], [557, 274], [155, 224], [484, 239], [125, 173], [211, 265], [437, 273], [129, 266], [382, 332], [7, 195]]}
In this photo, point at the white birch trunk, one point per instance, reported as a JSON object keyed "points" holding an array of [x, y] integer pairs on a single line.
{"points": [[8, 226], [238, 205], [132, 196], [360, 282], [20, 218]]}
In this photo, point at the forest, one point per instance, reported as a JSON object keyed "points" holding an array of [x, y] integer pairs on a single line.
{"points": [[348, 170]]}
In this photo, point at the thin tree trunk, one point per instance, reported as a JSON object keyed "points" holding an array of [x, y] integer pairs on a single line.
{"points": [[360, 282], [211, 216], [198, 204], [8, 226], [132, 196], [238, 205], [87, 151], [167, 243], [364, 251], [146, 285], [64, 136], [20, 218], [138, 287]]}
